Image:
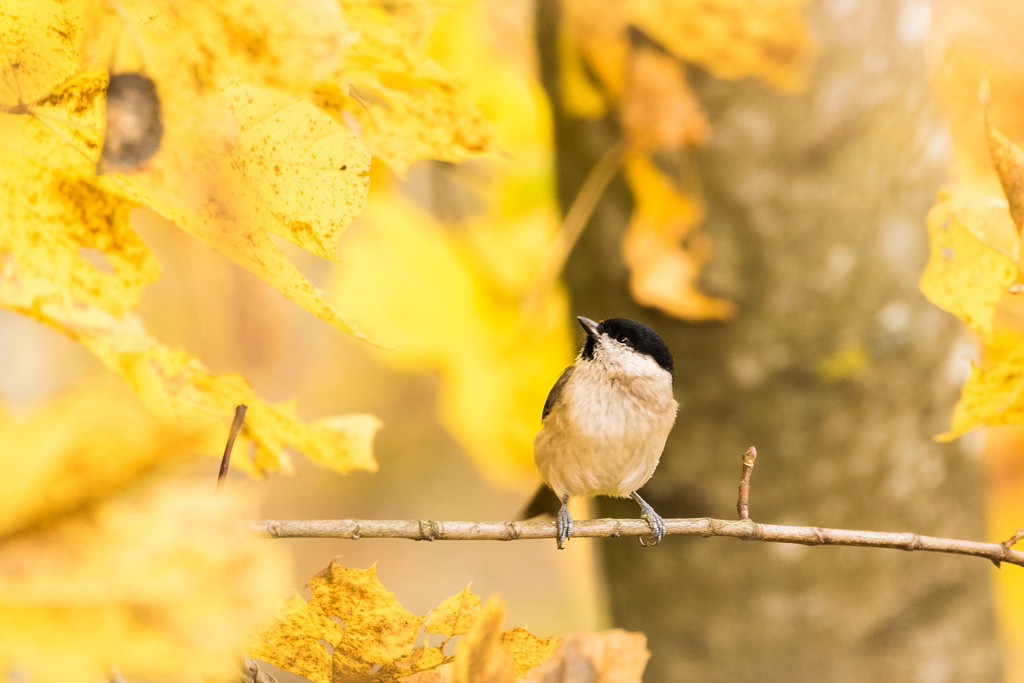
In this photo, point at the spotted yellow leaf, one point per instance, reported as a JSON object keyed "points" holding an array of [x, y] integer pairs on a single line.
{"points": [[55, 220], [455, 616], [969, 269], [41, 46], [197, 46], [271, 164], [527, 650], [407, 107]]}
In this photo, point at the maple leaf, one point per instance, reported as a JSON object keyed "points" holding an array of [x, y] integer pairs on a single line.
{"points": [[287, 169], [237, 153], [195, 47], [353, 628], [455, 616], [266, 160], [58, 222], [407, 106]]}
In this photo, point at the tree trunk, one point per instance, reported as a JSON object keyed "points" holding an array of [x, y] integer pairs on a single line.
{"points": [[836, 368]]}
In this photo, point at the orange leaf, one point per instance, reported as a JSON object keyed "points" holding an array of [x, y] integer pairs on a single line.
{"points": [[659, 110], [614, 655], [663, 249], [1008, 159]]}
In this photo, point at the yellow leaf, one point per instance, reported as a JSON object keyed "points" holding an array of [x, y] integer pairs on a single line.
{"points": [[55, 221], [848, 362], [353, 628], [410, 282], [40, 47], [408, 107], [267, 163], [731, 38], [1008, 159], [664, 249], [197, 46], [78, 449], [994, 393], [479, 656], [526, 649], [966, 275], [160, 586], [175, 385], [455, 616], [297, 640], [305, 170], [373, 631], [594, 49], [615, 655], [377, 629], [582, 97]]}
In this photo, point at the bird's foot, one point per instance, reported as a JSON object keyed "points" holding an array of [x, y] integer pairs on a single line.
{"points": [[653, 519], [564, 522]]}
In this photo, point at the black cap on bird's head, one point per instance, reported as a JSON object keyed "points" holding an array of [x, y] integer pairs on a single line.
{"points": [[636, 336]]}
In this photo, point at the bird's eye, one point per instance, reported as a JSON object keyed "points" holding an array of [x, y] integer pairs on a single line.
{"points": [[622, 339]]}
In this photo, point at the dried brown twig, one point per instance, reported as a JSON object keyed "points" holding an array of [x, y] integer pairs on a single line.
{"points": [[225, 461], [743, 503]]}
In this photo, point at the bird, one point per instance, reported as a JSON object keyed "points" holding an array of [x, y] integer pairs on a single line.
{"points": [[605, 423]]}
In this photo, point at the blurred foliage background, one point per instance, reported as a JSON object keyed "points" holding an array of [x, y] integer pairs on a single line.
{"points": [[454, 270]]}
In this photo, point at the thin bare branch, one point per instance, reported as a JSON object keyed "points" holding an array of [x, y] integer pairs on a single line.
{"points": [[1013, 540], [747, 530], [743, 502], [236, 426]]}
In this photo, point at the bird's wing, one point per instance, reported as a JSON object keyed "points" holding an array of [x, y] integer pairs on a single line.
{"points": [[556, 391]]}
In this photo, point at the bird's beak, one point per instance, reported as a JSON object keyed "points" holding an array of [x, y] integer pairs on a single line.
{"points": [[589, 326]]}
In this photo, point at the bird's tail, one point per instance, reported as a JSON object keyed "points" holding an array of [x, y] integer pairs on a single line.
{"points": [[544, 502]]}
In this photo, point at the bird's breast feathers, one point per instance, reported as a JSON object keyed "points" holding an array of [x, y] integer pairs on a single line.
{"points": [[606, 434]]}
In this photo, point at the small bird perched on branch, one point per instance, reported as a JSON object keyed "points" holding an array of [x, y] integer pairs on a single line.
{"points": [[605, 422]]}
